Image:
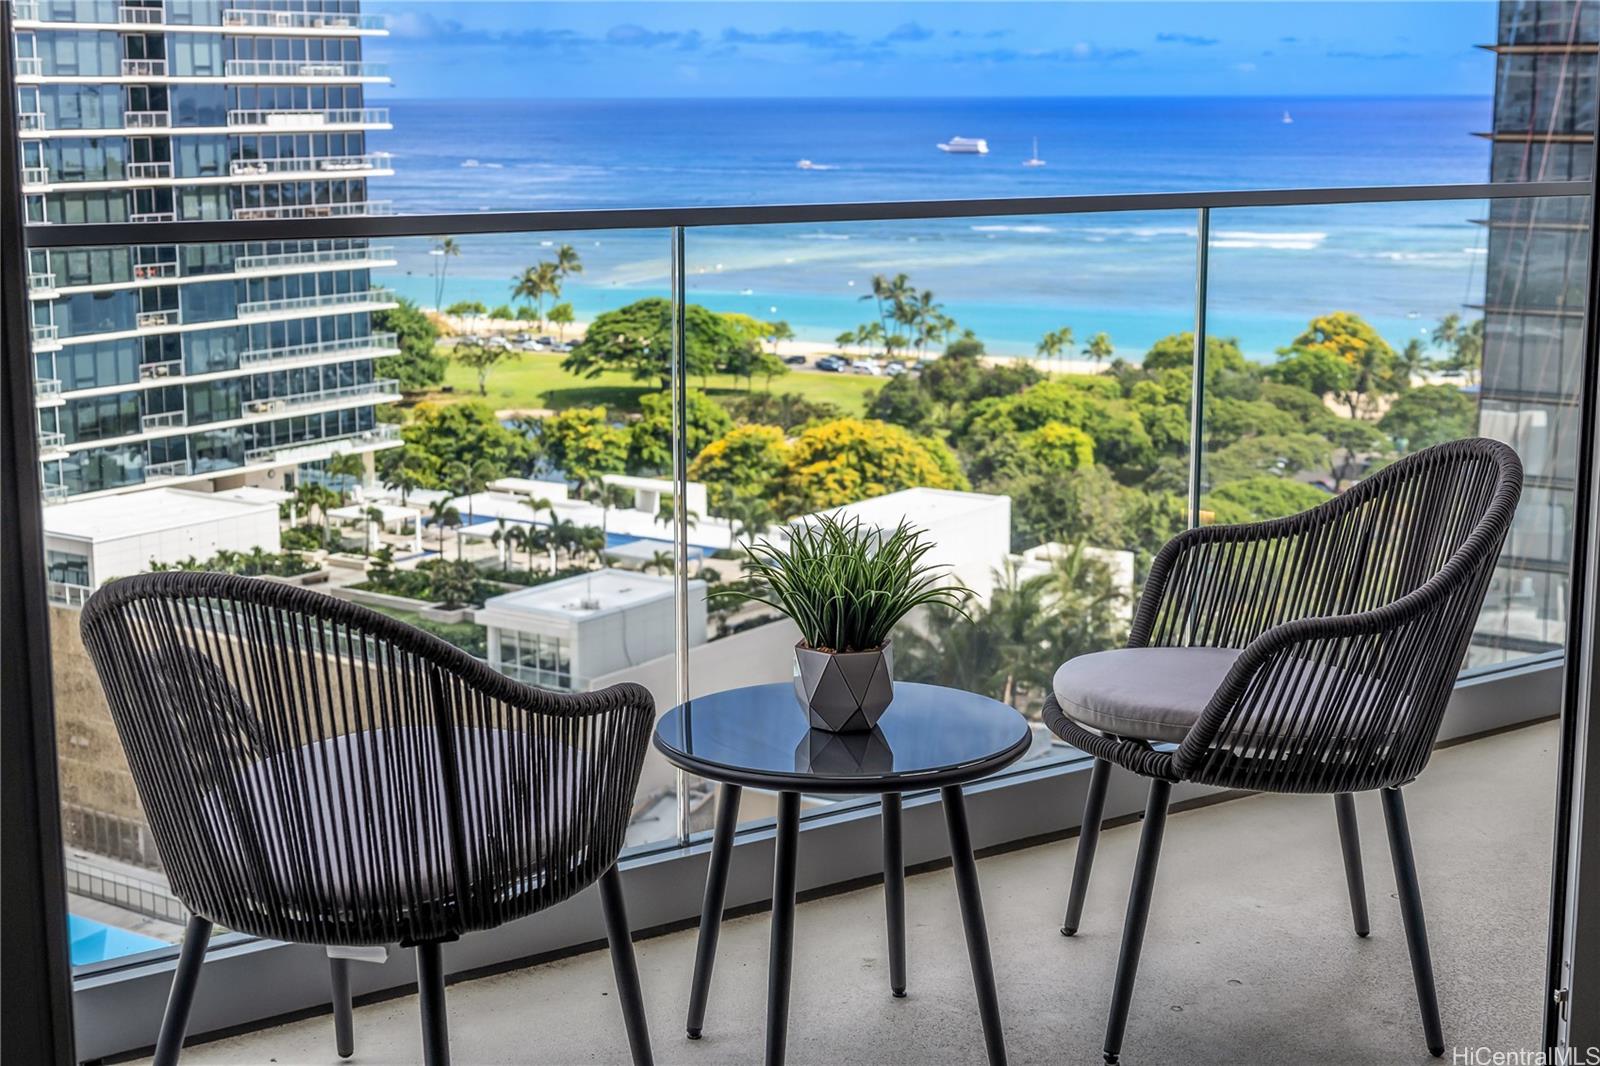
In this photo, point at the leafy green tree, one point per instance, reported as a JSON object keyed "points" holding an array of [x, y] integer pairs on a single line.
{"points": [[453, 584], [1371, 370], [1429, 415], [482, 358], [851, 459], [1176, 350], [503, 313], [903, 401], [406, 469], [744, 462], [583, 444], [1279, 455], [418, 367], [467, 307], [465, 433], [1120, 439], [1464, 343], [1052, 344], [562, 316], [442, 515], [1049, 450], [349, 468], [778, 332], [535, 283], [1260, 497], [787, 410], [650, 438], [1099, 347], [637, 339]]}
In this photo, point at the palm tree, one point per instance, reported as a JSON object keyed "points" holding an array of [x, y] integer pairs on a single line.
{"points": [[374, 516], [1099, 347], [404, 479], [346, 466], [668, 513], [608, 496], [777, 333], [500, 538], [446, 250], [749, 515], [568, 261], [443, 514], [660, 563], [535, 283], [1055, 342]]}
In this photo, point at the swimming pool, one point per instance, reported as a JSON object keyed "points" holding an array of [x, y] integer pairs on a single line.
{"points": [[92, 941]]}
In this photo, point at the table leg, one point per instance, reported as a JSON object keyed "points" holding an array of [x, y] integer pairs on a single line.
{"points": [[894, 892], [966, 871], [705, 952], [781, 957]]}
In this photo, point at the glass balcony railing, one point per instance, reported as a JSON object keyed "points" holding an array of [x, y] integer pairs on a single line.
{"points": [[51, 440], [313, 451], [310, 20], [163, 471], [153, 216], [46, 336], [277, 261], [344, 210], [164, 419], [29, 66], [144, 68], [133, 15], [42, 285], [30, 121], [274, 119], [146, 120], [67, 594], [165, 368], [375, 344], [171, 316], [324, 70], [326, 165], [323, 301], [35, 176], [381, 390], [150, 171]]}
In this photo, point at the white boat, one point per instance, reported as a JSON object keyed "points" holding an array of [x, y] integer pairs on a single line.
{"points": [[965, 146], [1288, 119], [1034, 160], [806, 164]]}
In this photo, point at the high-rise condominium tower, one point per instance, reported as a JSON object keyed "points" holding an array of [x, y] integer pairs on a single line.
{"points": [[232, 364], [1544, 130]]}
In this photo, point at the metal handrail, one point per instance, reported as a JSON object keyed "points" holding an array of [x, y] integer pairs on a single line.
{"points": [[57, 235], [316, 349], [247, 308], [307, 118], [301, 68], [326, 164], [316, 257]]}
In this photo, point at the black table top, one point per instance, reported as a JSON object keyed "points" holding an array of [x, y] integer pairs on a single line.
{"points": [[759, 737]]}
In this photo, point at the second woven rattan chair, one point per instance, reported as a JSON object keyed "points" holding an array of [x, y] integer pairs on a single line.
{"points": [[1311, 654], [318, 773]]}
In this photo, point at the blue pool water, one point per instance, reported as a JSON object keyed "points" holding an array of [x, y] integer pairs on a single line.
{"points": [[92, 941]]}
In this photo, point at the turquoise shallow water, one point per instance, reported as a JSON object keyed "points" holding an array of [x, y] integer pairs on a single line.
{"points": [[1009, 279]]}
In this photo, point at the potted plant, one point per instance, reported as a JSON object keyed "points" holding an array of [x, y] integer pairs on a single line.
{"points": [[846, 586]]}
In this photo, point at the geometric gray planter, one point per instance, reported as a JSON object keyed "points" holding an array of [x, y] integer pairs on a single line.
{"points": [[844, 692]]}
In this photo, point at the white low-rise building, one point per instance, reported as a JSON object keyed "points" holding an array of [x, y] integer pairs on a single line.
{"points": [[970, 531], [566, 633], [88, 542]]}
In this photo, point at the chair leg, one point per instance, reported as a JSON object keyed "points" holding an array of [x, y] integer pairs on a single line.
{"points": [[1088, 839], [705, 951], [620, 937], [175, 1022], [344, 1030], [1144, 880], [1344, 806], [430, 988], [1405, 875], [894, 892]]}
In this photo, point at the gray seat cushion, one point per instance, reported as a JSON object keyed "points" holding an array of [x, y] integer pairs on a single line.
{"points": [[1145, 693]]}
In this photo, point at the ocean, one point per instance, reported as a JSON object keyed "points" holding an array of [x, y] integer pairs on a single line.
{"points": [[1011, 280]]}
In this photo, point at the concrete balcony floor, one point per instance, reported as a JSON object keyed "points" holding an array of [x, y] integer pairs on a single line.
{"points": [[1249, 957]]}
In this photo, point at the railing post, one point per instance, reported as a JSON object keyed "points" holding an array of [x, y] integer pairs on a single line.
{"points": [[680, 503], [1197, 390]]}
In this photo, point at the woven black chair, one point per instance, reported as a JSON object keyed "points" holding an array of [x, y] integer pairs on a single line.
{"points": [[318, 773], [1310, 654]]}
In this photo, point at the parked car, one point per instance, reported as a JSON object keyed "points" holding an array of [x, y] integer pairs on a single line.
{"points": [[865, 366], [895, 369], [548, 342], [795, 360], [831, 363]]}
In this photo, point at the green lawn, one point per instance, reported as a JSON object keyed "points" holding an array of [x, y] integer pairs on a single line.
{"points": [[537, 380]]}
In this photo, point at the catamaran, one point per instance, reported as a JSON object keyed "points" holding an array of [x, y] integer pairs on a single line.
{"points": [[965, 146], [1034, 160]]}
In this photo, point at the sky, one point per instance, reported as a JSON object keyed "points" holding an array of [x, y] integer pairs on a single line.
{"points": [[774, 48]]}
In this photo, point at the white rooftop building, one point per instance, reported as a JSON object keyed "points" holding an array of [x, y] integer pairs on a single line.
{"points": [[87, 542], [565, 633], [970, 531]]}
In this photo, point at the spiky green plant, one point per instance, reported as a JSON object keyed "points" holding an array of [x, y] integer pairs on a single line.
{"points": [[845, 585]]}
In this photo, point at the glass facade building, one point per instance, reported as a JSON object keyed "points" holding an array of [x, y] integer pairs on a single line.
{"points": [[224, 363], [1533, 300]]}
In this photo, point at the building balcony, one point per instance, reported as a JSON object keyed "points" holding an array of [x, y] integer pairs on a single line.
{"points": [[153, 216], [165, 471], [147, 120], [333, 165], [267, 119], [130, 15], [311, 451], [382, 390], [54, 493], [161, 269], [42, 286], [25, 10], [46, 338], [324, 301], [169, 368], [251, 264], [30, 121], [29, 67], [251, 18], [373, 345], [164, 420], [47, 392], [149, 171], [316, 70], [345, 210], [144, 68], [35, 176], [51, 442], [67, 594], [158, 319]]}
